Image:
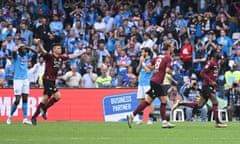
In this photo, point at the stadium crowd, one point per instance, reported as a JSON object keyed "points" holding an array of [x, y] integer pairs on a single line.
{"points": [[112, 34]]}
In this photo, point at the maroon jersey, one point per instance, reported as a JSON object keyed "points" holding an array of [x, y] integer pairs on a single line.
{"points": [[52, 66], [160, 63], [210, 72]]}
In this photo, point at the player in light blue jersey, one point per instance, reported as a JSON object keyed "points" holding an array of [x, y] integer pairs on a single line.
{"points": [[145, 74], [20, 81]]}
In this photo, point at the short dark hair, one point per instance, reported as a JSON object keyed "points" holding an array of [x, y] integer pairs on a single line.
{"points": [[147, 50], [56, 44]]}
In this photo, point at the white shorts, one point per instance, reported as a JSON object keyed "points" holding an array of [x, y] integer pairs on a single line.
{"points": [[21, 87], [141, 92]]}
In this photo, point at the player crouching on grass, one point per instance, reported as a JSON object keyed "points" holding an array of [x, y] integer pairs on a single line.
{"points": [[51, 95], [209, 75]]}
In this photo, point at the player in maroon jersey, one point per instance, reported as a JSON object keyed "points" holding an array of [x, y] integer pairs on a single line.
{"points": [[161, 65], [209, 75], [51, 95]]}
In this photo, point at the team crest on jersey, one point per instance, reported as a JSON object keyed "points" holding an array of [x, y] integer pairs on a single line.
{"points": [[57, 63], [23, 59]]}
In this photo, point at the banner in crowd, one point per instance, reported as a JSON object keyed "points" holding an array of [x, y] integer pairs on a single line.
{"points": [[75, 104]]}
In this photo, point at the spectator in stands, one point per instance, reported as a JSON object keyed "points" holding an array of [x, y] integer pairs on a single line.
{"points": [[222, 4], [2, 17], [32, 75], [89, 78], [121, 39], [56, 25], [9, 70], [226, 43], [2, 77], [199, 22], [173, 96], [108, 20], [231, 75], [170, 27], [26, 34], [108, 61], [73, 78], [90, 58], [199, 58], [78, 29], [10, 30], [115, 82], [178, 70], [233, 95], [181, 26], [4, 54], [102, 52], [190, 12], [210, 44], [192, 94], [38, 69], [91, 15], [237, 8], [123, 61], [111, 41], [134, 34], [80, 49], [50, 40], [222, 24], [10, 42], [186, 53], [70, 42], [118, 19], [130, 79], [100, 27], [41, 28], [236, 58], [164, 41], [147, 41], [175, 40], [43, 6], [131, 49], [212, 6], [55, 11], [66, 31], [104, 80], [26, 15]]}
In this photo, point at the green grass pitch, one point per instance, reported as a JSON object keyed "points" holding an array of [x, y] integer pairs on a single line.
{"points": [[118, 133]]}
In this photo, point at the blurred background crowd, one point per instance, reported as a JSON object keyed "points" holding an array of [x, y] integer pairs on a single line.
{"points": [[113, 32]]}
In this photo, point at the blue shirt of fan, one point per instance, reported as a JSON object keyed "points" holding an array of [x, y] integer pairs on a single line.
{"points": [[20, 67]]}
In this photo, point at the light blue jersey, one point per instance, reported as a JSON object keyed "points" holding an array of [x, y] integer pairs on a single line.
{"points": [[20, 67], [144, 77]]}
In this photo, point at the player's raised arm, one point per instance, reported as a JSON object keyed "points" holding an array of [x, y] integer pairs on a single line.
{"points": [[14, 52], [32, 49], [71, 56], [18, 47], [40, 46]]}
